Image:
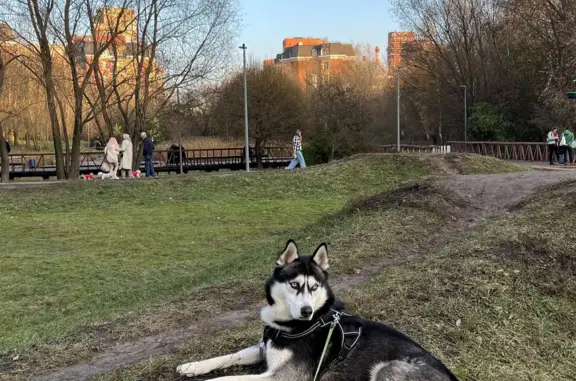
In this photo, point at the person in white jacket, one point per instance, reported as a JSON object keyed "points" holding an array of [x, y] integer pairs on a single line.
{"points": [[553, 141], [126, 163], [110, 161]]}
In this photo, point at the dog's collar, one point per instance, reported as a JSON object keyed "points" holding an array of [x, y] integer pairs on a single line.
{"points": [[321, 322]]}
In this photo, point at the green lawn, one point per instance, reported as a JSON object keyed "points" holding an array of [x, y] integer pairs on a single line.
{"points": [[79, 254], [496, 303]]}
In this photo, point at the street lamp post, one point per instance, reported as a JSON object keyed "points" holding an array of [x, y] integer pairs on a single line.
{"points": [[246, 141], [398, 110], [465, 112], [179, 130]]}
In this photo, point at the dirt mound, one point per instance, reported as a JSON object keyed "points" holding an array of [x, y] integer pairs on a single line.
{"points": [[423, 195]]}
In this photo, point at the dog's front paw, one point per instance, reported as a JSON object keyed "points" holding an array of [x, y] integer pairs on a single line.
{"points": [[192, 369]]}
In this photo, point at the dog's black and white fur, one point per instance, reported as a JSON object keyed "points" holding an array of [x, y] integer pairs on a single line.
{"points": [[300, 313]]}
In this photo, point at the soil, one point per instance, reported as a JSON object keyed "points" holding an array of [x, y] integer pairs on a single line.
{"points": [[488, 196]]}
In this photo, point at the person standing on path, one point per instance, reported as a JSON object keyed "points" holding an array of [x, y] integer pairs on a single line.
{"points": [[568, 139], [126, 163], [297, 157], [111, 152], [148, 151], [553, 142]]}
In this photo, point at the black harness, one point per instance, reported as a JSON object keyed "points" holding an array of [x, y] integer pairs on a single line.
{"points": [[349, 326]]}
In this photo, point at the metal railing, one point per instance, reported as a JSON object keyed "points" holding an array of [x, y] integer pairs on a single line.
{"points": [[410, 148], [518, 151], [44, 163]]}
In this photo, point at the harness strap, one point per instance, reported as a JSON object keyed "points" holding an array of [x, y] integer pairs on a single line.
{"points": [[334, 319], [330, 332], [344, 349]]}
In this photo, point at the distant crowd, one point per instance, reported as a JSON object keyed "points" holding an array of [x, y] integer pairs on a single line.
{"points": [[561, 146], [119, 157]]}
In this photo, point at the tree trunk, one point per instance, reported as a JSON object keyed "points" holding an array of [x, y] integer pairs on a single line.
{"points": [[137, 155], [51, 103], [76, 137], [258, 149], [65, 132], [4, 159]]}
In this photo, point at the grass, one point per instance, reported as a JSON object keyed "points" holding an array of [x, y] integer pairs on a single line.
{"points": [[88, 262], [77, 254], [495, 303], [469, 165]]}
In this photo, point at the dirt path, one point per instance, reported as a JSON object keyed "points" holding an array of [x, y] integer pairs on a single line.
{"points": [[494, 195], [489, 196]]}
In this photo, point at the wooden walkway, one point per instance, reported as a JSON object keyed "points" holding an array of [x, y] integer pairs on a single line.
{"points": [[41, 165]]}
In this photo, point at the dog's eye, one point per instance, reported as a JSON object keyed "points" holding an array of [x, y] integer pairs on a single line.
{"points": [[314, 288], [294, 285]]}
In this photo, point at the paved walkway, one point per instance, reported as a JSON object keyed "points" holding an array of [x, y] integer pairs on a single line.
{"points": [[543, 166]]}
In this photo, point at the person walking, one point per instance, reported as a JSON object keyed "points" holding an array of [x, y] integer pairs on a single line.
{"points": [[126, 162], [568, 140], [553, 142], [148, 151], [297, 157]]}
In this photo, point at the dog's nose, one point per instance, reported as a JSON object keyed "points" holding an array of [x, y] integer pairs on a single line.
{"points": [[306, 311]]}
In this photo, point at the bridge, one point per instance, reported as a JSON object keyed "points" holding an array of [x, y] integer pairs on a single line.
{"points": [[514, 151], [214, 159]]}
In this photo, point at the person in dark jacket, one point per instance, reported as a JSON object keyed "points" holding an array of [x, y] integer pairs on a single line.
{"points": [[148, 151], [8, 148]]}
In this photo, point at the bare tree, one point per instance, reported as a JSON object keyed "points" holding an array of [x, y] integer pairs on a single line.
{"points": [[5, 169], [69, 25], [162, 44], [342, 112], [175, 45], [276, 106], [549, 25], [33, 33], [473, 43]]}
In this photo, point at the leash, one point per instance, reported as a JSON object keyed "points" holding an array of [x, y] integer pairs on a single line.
{"points": [[334, 319], [332, 326]]}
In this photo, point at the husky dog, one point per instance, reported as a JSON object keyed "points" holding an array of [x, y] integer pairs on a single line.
{"points": [[309, 337]]}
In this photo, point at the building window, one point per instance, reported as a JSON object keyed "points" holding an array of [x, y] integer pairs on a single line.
{"points": [[323, 52], [314, 52], [325, 66]]}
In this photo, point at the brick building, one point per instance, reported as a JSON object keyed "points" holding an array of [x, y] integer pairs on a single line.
{"points": [[396, 45], [122, 62], [312, 60], [401, 46]]}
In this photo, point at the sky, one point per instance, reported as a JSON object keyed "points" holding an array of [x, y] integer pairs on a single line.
{"points": [[267, 22]]}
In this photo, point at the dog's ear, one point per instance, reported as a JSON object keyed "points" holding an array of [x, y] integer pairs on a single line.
{"points": [[289, 255], [320, 256]]}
